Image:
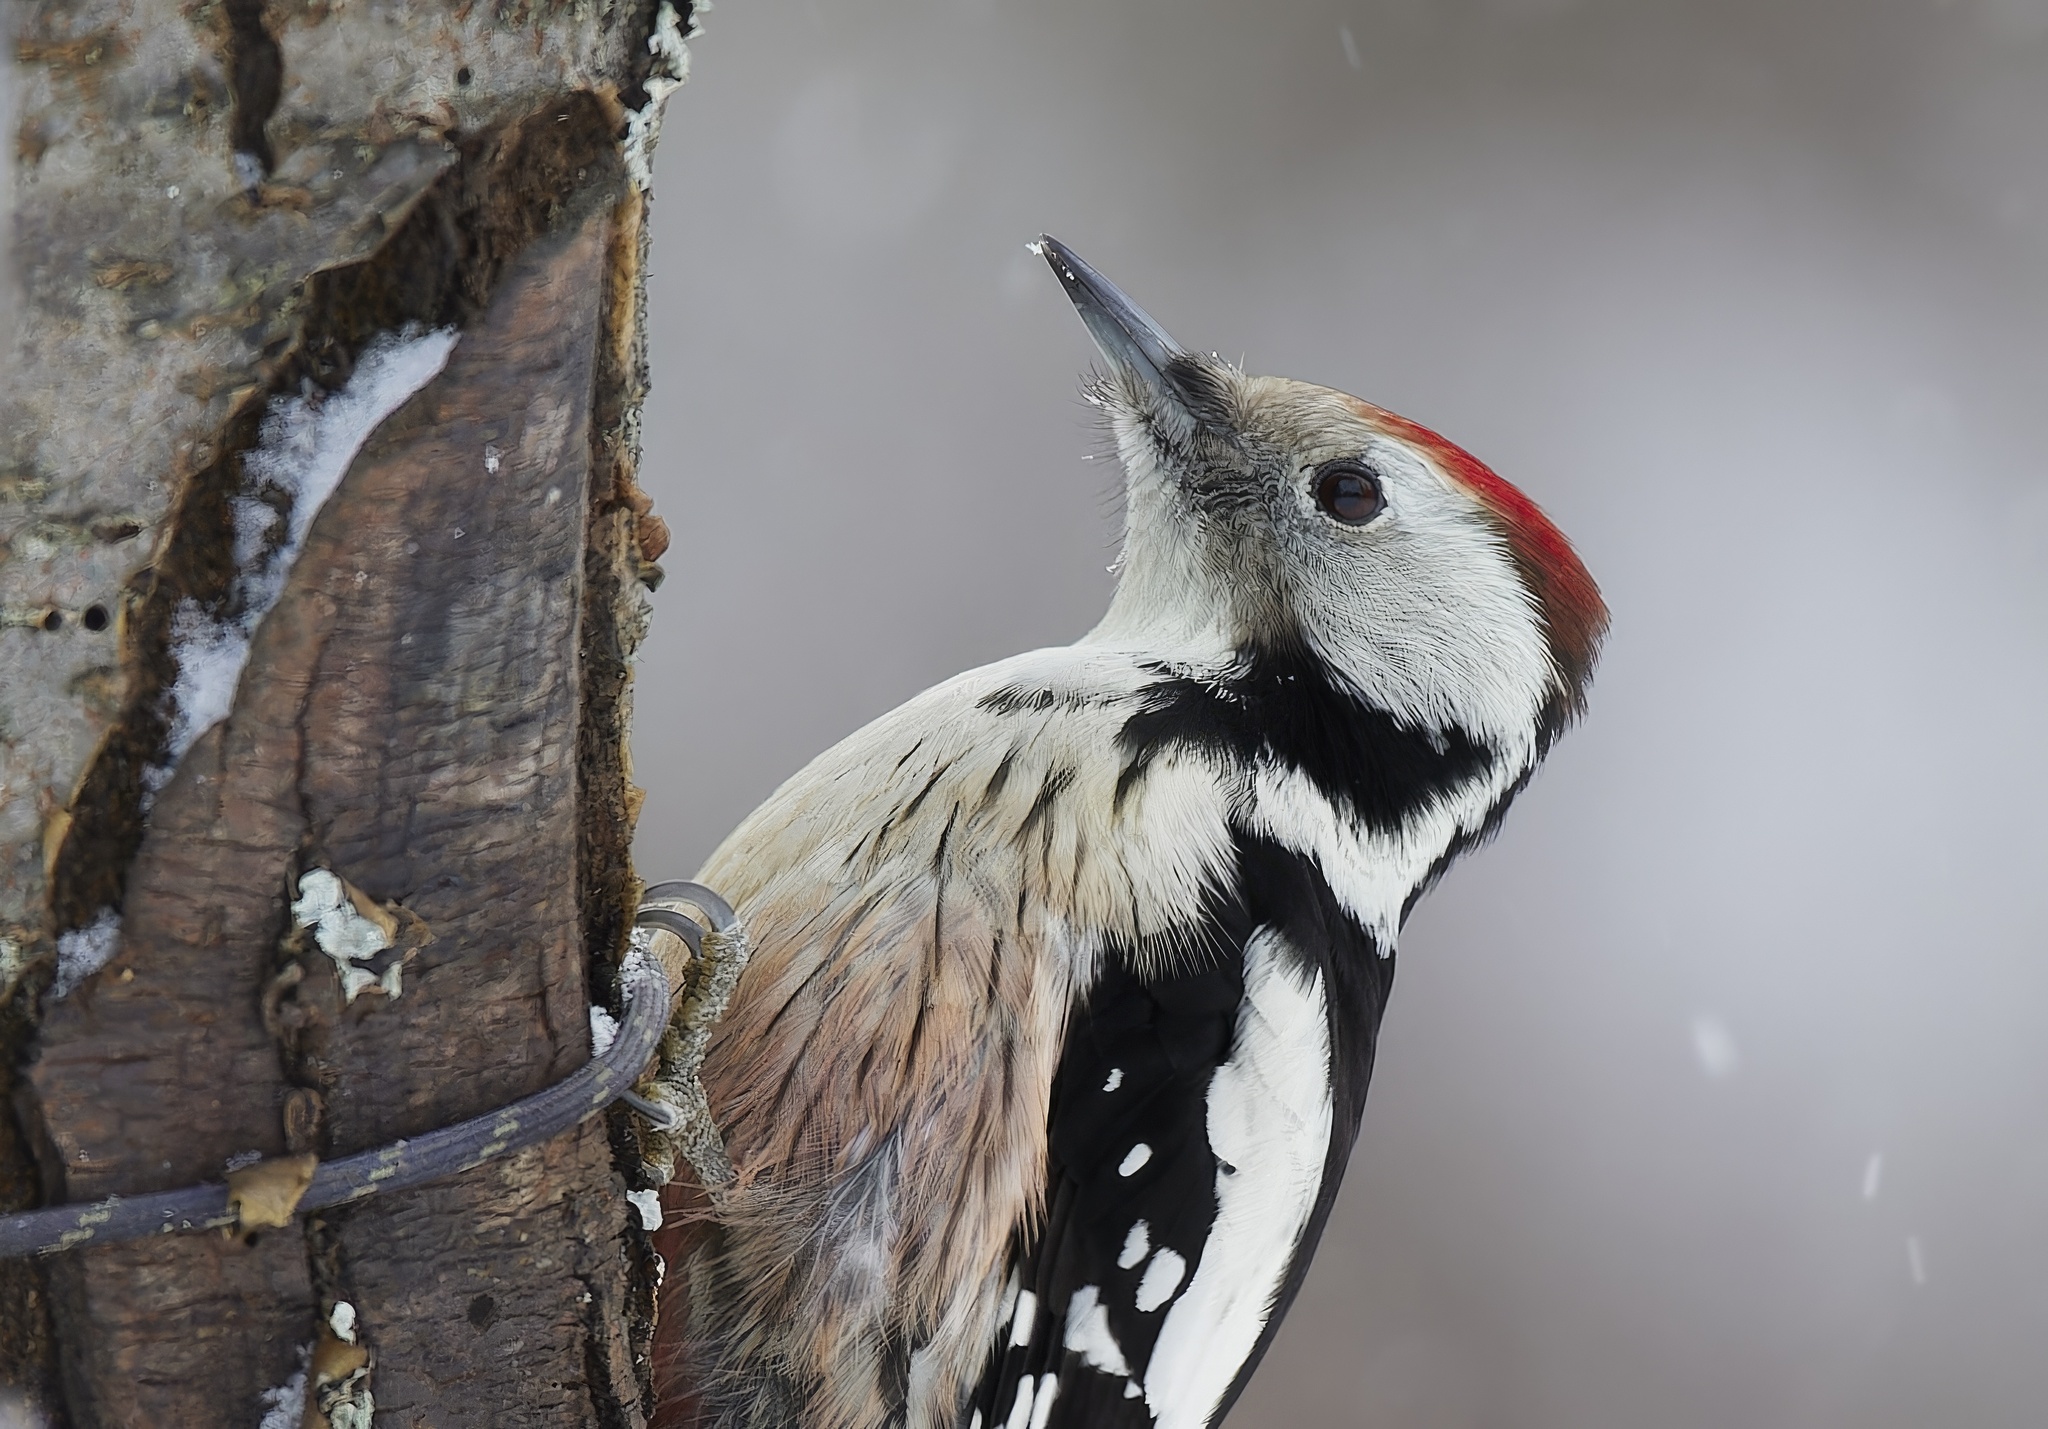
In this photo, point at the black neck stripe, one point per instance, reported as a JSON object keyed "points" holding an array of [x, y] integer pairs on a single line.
{"points": [[1284, 706]]}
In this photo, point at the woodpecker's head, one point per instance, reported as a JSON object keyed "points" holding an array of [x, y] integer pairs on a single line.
{"points": [[1266, 515]]}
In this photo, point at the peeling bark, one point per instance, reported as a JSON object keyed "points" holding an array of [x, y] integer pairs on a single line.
{"points": [[217, 208]]}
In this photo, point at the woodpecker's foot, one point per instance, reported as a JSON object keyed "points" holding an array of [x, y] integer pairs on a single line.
{"points": [[678, 1115]]}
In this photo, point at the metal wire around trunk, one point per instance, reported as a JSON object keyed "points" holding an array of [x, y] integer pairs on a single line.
{"points": [[402, 1164]]}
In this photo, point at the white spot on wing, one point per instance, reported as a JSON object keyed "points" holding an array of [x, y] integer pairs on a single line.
{"points": [[1136, 1157], [1114, 1080], [1089, 1336], [1161, 1279], [1873, 1175], [1027, 1316], [1137, 1245], [1268, 1115], [1041, 1403], [1020, 1412]]}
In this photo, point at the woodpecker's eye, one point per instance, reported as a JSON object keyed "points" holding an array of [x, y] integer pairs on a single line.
{"points": [[1347, 492]]}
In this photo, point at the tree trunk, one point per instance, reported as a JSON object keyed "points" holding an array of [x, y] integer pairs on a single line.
{"points": [[321, 552]]}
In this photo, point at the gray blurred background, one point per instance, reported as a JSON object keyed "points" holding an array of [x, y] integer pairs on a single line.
{"points": [[1713, 1094]]}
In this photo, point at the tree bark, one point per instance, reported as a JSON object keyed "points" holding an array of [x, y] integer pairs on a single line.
{"points": [[222, 214]]}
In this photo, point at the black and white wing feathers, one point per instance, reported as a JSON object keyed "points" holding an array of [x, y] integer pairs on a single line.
{"points": [[1202, 1114]]}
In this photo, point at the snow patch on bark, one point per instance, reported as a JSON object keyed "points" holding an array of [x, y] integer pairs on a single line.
{"points": [[285, 1406], [210, 656], [669, 44], [648, 1204], [84, 951], [306, 447], [604, 1030], [342, 1320]]}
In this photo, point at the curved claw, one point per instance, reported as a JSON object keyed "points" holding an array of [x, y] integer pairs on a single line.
{"points": [[661, 1117], [679, 1118], [670, 921], [679, 890]]}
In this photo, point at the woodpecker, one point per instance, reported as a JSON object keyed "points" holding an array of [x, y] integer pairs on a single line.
{"points": [[1066, 975]]}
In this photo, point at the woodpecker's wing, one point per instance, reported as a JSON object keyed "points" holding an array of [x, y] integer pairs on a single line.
{"points": [[925, 902], [1202, 1115], [1043, 955]]}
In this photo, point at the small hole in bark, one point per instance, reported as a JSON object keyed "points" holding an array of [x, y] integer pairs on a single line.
{"points": [[96, 617], [462, 76], [54, 620], [482, 1311]]}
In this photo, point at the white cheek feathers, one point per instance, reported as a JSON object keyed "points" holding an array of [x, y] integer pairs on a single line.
{"points": [[1423, 613]]}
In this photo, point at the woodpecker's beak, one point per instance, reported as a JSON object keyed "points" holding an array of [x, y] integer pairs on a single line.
{"points": [[1125, 333]]}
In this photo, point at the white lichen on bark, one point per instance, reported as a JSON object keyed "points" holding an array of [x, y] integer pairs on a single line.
{"points": [[346, 934]]}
